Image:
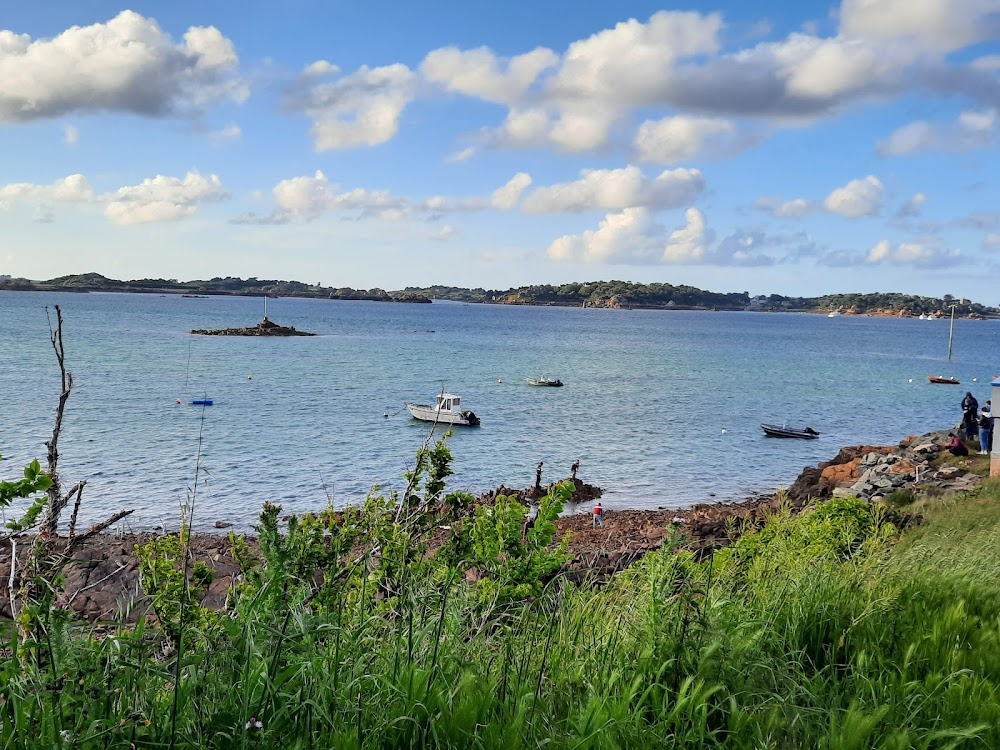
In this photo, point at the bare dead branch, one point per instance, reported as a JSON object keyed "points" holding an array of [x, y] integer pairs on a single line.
{"points": [[97, 528], [78, 490], [57, 502], [12, 582]]}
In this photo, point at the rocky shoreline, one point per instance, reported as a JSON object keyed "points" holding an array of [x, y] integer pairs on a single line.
{"points": [[102, 582]]}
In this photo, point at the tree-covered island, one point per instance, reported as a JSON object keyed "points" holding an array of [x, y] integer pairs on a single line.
{"points": [[607, 294]]}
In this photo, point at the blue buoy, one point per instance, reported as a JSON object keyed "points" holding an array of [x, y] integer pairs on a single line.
{"points": [[202, 402]]}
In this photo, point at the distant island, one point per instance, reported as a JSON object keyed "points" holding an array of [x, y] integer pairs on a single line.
{"points": [[264, 328], [599, 294]]}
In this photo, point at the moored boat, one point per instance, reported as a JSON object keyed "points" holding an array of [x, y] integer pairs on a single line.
{"points": [[542, 380], [445, 411], [773, 430], [942, 379]]}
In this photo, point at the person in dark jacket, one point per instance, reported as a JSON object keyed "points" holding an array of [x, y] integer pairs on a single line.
{"points": [[970, 415]]}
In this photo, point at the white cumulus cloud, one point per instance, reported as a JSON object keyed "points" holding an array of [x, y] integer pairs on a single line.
{"points": [[127, 64], [628, 236], [936, 25], [506, 197], [925, 253], [634, 237], [617, 189], [73, 188], [687, 244], [309, 197], [971, 130], [163, 198], [678, 138], [360, 109], [480, 73], [857, 198]]}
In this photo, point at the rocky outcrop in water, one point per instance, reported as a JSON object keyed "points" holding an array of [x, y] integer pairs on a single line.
{"points": [[264, 328]]}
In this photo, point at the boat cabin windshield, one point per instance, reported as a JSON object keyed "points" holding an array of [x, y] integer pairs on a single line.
{"points": [[448, 401]]}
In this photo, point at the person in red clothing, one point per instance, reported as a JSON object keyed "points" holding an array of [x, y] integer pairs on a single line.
{"points": [[598, 516], [955, 445]]}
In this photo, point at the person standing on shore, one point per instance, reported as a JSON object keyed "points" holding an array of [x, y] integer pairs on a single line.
{"points": [[598, 515], [985, 423], [989, 409], [970, 414], [574, 468]]}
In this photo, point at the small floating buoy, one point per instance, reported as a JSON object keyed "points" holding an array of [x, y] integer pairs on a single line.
{"points": [[974, 380], [910, 380], [249, 377], [178, 401], [385, 414], [499, 380], [724, 430]]}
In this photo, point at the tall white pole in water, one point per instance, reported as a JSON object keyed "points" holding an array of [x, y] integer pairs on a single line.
{"points": [[949, 346], [995, 454], [951, 331]]}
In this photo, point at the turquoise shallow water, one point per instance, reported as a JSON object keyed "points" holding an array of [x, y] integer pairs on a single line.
{"points": [[662, 407]]}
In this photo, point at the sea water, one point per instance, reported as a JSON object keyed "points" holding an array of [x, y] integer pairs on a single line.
{"points": [[662, 408]]}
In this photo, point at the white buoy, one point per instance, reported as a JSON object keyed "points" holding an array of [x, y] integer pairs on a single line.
{"points": [[974, 380], [499, 380], [724, 430], [385, 414], [910, 380]]}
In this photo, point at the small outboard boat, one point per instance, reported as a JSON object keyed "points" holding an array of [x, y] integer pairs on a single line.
{"points": [[202, 402], [551, 382], [773, 430]]}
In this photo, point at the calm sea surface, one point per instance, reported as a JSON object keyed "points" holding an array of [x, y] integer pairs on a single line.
{"points": [[662, 408]]}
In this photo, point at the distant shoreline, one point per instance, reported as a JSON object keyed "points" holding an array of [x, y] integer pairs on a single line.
{"points": [[206, 294], [620, 295]]}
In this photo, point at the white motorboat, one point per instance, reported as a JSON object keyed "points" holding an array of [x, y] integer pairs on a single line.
{"points": [[446, 411], [834, 314]]}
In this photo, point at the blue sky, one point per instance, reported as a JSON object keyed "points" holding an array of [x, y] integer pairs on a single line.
{"points": [[764, 147]]}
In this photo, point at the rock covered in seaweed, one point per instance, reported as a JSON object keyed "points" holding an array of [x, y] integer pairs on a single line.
{"points": [[264, 328]]}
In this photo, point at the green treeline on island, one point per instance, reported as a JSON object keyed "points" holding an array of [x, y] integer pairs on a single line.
{"points": [[607, 294]]}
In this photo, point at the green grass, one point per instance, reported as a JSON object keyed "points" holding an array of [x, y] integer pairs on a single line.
{"points": [[825, 630]]}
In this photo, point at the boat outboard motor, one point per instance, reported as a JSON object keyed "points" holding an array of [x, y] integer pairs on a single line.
{"points": [[471, 417]]}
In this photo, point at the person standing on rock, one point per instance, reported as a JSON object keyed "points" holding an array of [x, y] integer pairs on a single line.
{"points": [[538, 479], [970, 415], [598, 515], [574, 468]]}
